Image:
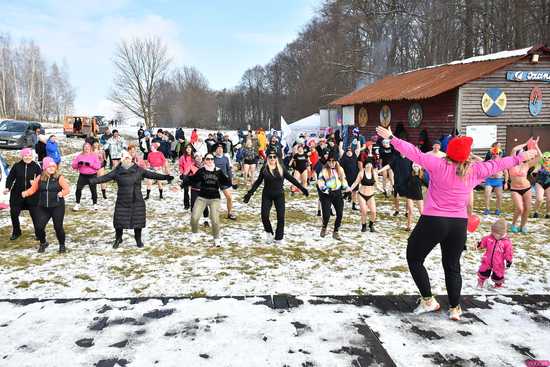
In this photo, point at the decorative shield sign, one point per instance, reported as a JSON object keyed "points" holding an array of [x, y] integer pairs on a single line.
{"points": [[385, 115], [493, 102], [415, 115], [535, 101], [363, 116]]}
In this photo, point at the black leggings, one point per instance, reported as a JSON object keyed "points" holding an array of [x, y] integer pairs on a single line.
{"points": [[279, 201], [43, 217], [334, 198], [186, 201], [451, 234], [14, 213], [137, 234], [194, 196], [84, 180]]}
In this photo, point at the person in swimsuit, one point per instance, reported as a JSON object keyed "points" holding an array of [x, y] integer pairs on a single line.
{"points": [[366, 180], [250, 161], [496, 183], [521, 189], [300, 164], [542, 185]]}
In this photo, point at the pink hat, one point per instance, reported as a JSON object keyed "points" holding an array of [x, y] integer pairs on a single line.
{"points": [[26, 151], [48, 162]]}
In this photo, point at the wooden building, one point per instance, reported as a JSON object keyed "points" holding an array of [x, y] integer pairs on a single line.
{"points": [[502, 97]]}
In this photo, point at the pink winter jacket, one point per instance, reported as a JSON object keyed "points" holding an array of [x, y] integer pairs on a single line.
{"points": [[448, 194], [156, 159], [185, 163], [93, 163], [497, 251]]}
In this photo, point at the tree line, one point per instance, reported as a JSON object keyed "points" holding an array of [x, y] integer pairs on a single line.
{"points": [[30, 87], [346, 45]]}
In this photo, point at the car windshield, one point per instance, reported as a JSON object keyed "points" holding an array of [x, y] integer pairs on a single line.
{"points": [[13, 126]]}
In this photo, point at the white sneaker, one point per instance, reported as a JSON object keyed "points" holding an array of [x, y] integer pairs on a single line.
{"points": [[217, 242], [268, 237], [455, 313], [76, 207], [426, 305], [95, 208], [280, 242]]}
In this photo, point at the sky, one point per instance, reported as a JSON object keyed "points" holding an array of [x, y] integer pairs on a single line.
{"points": [[220, 38]]}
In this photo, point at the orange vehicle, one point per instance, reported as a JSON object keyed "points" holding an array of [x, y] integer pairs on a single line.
{"points": [[81, 126]]}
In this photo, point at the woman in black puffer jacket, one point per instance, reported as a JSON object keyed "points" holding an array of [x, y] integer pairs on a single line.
{"points": [[130, 206]]}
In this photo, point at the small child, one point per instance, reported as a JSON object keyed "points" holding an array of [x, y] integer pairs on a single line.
{"points": [[498, 251]]}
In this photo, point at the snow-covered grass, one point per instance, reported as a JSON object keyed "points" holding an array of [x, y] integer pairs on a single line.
{"points": [[174, 263]]}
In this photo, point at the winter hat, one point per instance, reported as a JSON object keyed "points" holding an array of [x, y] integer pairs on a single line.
{"points": [[386, 142], [436, 142], [25, 152], [147, 133], [459, 148], [333, 155], [355, 131], [48, 162]]}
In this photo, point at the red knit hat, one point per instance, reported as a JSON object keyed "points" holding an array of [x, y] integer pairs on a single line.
{"points": [[459, 148]]}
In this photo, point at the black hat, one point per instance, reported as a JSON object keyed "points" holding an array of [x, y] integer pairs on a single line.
{"points": [[333, 155], [270, 151], [219, 145]]}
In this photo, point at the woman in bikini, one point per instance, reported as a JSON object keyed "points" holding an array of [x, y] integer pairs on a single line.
{"points": [[366, 179], [521, 189]]}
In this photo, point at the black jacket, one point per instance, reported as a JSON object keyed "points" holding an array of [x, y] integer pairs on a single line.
{"points": [[210, 182], [273, 183], [350, 166], [40, 148], [19, 179], [129, 206]]}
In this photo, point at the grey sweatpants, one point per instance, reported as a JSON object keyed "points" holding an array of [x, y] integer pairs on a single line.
{"points": [[214, 209]]}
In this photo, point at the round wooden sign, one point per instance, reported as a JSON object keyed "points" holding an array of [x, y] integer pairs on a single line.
{"points": [[415, 115], [385, 116], [535, 101], [493, 102], [363, 117]]}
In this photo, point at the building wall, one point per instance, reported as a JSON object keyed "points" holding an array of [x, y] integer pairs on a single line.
{"points": [[516, 113], [438, 116]]}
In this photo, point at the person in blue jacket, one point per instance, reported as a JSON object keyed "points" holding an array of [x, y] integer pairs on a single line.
{"points": [[52, 149]]}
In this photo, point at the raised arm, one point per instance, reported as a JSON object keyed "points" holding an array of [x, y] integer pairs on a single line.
{"points": [[156, 176]]}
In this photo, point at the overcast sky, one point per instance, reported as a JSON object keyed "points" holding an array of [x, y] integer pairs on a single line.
{"points": [[221, 38]]}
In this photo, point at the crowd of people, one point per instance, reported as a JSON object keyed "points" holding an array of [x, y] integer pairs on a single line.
{"points": [[438, 182]]}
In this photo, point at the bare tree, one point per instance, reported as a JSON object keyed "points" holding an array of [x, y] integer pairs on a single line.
{"points": [[140, 66]]}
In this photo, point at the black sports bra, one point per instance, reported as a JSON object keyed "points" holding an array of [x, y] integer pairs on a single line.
{"points": [[367, 181]]}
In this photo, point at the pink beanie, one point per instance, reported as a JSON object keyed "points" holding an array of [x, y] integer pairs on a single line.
{"points": [[25, 152], [48, 162]]}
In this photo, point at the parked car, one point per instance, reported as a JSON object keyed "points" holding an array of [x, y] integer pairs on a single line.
{"points": [[16, 134]]}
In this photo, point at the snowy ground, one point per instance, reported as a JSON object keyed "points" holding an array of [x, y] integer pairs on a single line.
{"points": [[230, 332], [358, 331], [172, 264]]}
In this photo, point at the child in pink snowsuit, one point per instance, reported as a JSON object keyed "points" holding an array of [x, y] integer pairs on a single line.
{"points": [[498, 251]]}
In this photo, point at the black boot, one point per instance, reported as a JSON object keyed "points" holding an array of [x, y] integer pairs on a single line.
{"points": [[354, 207], [318, 213], [363, 227], [15, 236], [139, 244], [160, 193], [147, 195], [42, 247], [371, 226], [117, 242], [62, 248], [104, 193]]}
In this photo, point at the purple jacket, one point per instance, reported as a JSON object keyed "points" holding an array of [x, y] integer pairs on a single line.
{"points": [[89, 163], [496, 253], [448, 194]]}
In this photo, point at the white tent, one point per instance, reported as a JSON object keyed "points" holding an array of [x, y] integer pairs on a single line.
{"points": [[308, 125]]}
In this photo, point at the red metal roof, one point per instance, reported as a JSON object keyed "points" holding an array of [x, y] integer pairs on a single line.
{"points": [[424, 83]]}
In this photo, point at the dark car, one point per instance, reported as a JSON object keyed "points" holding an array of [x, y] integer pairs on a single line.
{"points": [[16, 134]]}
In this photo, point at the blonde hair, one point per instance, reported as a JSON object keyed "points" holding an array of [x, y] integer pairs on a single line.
{"points": [[499, 227], [462, 168], [45, 175], [279, 167]]}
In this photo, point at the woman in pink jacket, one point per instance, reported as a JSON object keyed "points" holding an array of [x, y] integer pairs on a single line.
{"points": [[444, 217], [186, 162], [87, 164], [498, 251]]}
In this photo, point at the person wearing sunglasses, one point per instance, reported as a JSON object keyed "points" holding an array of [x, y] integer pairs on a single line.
{"points": [[273, 174], [211, 180], [331, 182]]}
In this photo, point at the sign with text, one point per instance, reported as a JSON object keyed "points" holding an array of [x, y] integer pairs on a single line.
{"points": [[484, 135], [528, 76]]}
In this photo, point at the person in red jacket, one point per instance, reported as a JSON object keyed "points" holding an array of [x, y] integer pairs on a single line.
{"points": [[186, 163], [157, 163]]}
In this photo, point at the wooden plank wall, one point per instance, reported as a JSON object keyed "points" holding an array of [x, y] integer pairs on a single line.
{"points": [[517, 108]]}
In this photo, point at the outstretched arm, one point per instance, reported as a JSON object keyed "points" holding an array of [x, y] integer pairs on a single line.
{"points": [[105, 178]]}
